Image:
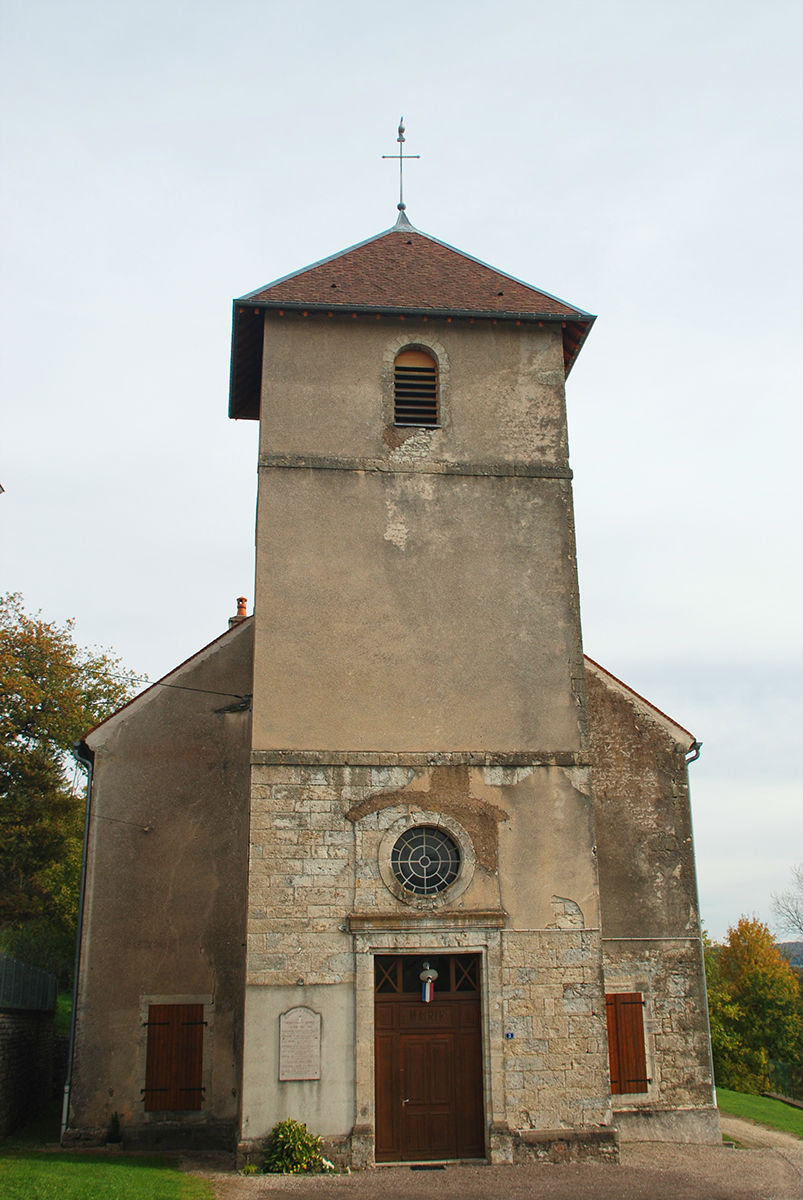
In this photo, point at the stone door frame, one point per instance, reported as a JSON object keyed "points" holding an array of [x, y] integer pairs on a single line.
{"points": [[434, 936]]}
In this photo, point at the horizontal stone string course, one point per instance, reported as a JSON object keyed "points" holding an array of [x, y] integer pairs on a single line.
{"points": [[418, 758], [518, 470]]}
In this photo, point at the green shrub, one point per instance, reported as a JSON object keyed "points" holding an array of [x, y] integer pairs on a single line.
{"points": [[293, 1150]]}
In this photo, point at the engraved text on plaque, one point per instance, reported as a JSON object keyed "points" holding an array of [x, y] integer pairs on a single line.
{"points": [[299, 1044]]}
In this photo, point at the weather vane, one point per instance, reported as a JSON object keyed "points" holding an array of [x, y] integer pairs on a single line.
{"points": [[401, 157]]}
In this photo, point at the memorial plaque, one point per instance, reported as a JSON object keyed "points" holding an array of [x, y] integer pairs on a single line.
{"points": [[299, 1044]]}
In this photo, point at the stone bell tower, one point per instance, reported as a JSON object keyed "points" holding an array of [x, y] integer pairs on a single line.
{"points": [[420, 787]]}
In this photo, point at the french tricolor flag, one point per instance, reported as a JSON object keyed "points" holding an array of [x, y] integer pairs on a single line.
{"points": [[427, 989]]}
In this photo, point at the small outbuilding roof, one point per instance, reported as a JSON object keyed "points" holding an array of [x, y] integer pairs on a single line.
{"points": [[399, 272]]}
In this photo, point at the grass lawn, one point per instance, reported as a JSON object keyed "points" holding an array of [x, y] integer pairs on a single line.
{"points": [[63, 1015], [774, 1113], [25, 1175]]}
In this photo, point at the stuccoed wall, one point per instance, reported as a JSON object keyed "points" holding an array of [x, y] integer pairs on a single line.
{"points": [[166, 895], [442, 558], [325, 1105], [643, 815], [327, 389]]}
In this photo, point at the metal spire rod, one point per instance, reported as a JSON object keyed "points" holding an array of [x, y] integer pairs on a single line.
{"points": [[401, 157]]}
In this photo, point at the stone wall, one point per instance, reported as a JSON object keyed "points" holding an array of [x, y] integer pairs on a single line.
{"points": [[323, 902], [669, 976], [555, 1066], [648, 899]]}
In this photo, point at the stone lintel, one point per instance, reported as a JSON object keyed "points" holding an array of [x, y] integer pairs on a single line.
{"points": [[318, 462], [420, 758], [378, 922]]}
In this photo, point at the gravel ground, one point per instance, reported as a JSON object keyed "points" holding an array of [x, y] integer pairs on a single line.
{"points": [[753, 1136], [647, 1171]]}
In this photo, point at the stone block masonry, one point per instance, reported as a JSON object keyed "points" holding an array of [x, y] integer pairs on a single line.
{"points": [[677, 1104], [321, 906]]}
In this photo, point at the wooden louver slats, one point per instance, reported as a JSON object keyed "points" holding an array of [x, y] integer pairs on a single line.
{"points": [[174, 1062], [415, 389]]}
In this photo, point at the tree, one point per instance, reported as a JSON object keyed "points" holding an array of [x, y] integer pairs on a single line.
{"points": [[51, 692], [788, 905], [754, 1007]]}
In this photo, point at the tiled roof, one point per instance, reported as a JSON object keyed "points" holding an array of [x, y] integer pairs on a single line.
{"points": [[400, 271], [403, 269]]}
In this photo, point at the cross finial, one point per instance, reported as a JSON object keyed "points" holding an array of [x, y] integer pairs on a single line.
{"points": [[401, 157]]}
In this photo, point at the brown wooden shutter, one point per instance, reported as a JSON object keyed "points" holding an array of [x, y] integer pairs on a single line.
{"points": [[625, 1014], [174, 1064]]}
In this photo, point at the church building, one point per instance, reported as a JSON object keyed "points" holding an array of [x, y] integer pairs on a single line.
{"points": [[391, 856]]}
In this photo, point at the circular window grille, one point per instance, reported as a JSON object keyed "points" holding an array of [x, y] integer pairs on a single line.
{"points": [[425, 860]]}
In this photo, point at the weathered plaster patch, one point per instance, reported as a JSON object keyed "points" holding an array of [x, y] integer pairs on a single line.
{"points": [[506, 776], [414, 449], [580, 780], [449, 792], [395, 526], [395, 436], [567, 913], [400, 502]]}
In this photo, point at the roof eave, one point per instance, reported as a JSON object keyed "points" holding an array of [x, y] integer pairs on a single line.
{"points": [[394, 310], [246, 359]]}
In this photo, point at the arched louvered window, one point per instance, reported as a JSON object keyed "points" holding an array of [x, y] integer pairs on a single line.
{"points": [[415, 389]]}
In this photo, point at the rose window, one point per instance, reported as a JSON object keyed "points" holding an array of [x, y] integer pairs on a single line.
{"points": [[425, 860]]}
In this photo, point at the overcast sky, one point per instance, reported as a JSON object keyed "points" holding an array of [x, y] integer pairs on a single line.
{"points": [[638, 158]]}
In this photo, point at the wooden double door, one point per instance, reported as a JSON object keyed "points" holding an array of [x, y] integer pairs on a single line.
{"points": [[428, 1063]]}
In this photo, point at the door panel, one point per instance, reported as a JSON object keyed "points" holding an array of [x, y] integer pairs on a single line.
{"points": [[428, 1114], [387, 1101], [470, 1129]]}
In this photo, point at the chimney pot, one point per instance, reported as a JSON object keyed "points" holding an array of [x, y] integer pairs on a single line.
{"points": [[241, 614]]}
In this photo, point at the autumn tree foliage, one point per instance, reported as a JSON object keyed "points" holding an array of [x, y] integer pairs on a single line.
{"points": [[754, 1007], [51, 692]]}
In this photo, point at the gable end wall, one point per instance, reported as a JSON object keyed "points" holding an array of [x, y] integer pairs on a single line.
{"points": [[650, 918]]}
